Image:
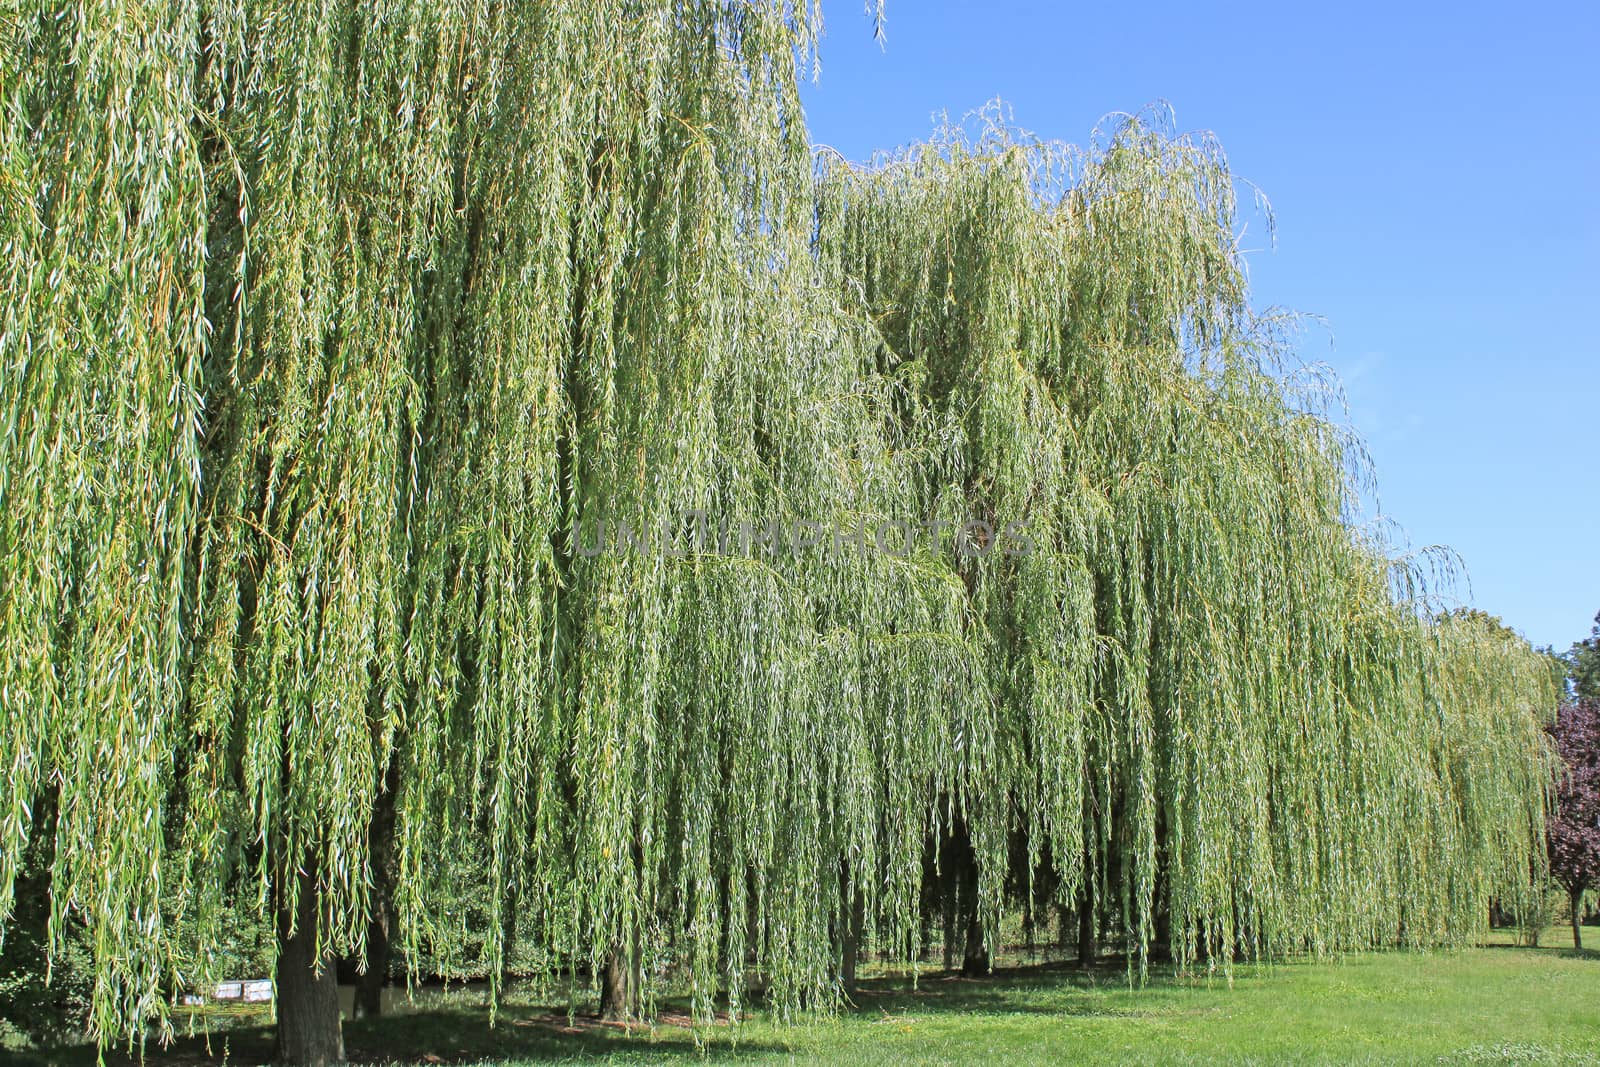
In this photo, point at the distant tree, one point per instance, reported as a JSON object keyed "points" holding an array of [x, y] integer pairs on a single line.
{"points": [[1583, 664], [1573, 832]]}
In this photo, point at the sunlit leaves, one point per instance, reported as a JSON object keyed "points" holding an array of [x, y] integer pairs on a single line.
{"points": [[329, 325]]}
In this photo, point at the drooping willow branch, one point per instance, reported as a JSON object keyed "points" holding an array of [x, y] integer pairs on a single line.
{"points": [[329, 329]]}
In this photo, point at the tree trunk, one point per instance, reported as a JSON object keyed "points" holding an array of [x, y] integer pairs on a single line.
{"points": [[1577, 935], [1161, 947], [308, 989], [850, 948], [380, 846], [619, 983], [369, 988], [948, 900], [975, 960], [1088, 950]]}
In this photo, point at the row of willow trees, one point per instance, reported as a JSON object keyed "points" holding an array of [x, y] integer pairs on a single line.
{"points": [[328, 331]]}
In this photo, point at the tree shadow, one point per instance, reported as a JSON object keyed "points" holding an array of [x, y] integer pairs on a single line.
{"points": [[1558, 949], [1585, 953], [444, 1036], [460, 1033], [1060, 989]]}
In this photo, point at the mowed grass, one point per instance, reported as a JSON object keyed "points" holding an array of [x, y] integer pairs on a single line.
{"points": [[1496, 1004]]}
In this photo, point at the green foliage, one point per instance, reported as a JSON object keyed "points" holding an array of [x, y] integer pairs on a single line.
{"points": [[1537, 911], [328, 330], [1583, 664], [44, 995], [46, 978], [1202, 673]]}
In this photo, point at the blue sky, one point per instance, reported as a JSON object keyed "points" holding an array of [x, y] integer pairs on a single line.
{"points": [[1435, 171]]}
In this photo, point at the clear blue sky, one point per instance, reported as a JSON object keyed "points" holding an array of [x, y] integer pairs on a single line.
{"points": [[1435, 170]]}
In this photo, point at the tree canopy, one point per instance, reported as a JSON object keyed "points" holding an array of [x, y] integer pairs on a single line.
{"points": [[334, 337], [1574, 827], [1583, 664]]}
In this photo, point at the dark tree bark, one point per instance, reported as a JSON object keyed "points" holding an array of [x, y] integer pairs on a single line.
{"points": [[369, 989], [623, 979], [950, 907], [620, 982], [1161, 947], [957, 893], [1088, 948], [1084, 906], [854, 922], [975, 954], [850, 957], [380, 841], [963, 923], [308, 989], [975, 961], [1577, 932]]}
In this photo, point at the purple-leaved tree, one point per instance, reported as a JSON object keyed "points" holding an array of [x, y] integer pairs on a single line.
{"points": [[1573, 832]]}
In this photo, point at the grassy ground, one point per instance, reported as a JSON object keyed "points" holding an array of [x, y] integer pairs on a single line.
{"points": [[1497, 1004]]}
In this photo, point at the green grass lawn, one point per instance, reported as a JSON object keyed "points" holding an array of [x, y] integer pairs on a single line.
{"points": [[1497, 1004]]}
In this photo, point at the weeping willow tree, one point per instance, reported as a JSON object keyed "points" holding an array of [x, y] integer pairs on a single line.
{"points": [[449, 441], [1223, 714]]}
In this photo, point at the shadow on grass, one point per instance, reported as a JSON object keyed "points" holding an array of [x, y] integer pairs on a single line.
{"points": [[1558, 949], [440, 1037], [1059, 989], [460, 1034], [1585, 953]]}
